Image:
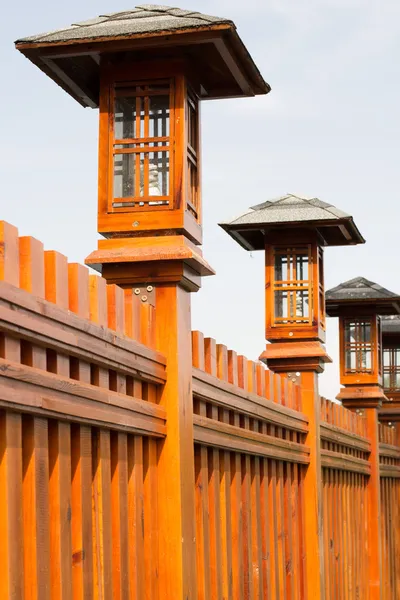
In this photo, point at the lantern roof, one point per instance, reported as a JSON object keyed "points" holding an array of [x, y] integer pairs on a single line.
{"points": [[211, 45], [251, 228], [391, 324], [364, 293]]}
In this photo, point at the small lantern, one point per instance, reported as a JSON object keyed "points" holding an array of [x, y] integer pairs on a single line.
{"points": [[359, 303], [391, 364], [293, 231], [147, 70]]}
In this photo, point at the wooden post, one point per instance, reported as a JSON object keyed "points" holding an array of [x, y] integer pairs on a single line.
{"points": [[374, 509], [312, 490], [176, 454]]}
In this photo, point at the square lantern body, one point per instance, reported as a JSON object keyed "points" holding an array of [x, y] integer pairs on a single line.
{"points": [[294, 283], [391, 357], [149, 150], [360, 341]]}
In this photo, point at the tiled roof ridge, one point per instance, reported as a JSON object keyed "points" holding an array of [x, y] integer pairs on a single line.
{"points": [[314, 201], [144, 11], [345, 285]]}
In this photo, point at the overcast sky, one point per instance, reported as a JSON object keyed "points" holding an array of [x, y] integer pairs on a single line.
{"points": [[330, 128]]}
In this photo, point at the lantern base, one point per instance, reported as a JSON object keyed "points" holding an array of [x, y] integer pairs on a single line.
{"points": [[367, 396], [164, 259], [283, 357]]}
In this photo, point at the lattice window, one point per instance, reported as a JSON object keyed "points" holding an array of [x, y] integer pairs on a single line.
{"points": [[192, 153], [391, 369], [292, 286], [141, 146], [359, 345]]}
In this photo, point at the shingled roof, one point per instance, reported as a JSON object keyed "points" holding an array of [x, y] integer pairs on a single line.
{"points": [[291, 210], [145, 18], [362, 291], [210, 46]]}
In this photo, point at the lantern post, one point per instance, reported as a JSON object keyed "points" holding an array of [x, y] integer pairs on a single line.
{"points": [[148, 70], [293, 232]]}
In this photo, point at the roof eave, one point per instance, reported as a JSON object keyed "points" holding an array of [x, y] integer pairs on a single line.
{"points": [[224, 35], [380, 306], [349, 231]]}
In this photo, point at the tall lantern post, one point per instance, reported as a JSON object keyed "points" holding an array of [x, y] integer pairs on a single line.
{"points": [[148, 70], [359, 304], [293, 232]]}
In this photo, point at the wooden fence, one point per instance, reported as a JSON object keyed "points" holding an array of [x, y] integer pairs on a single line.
{"points": [[79, 426], [345, 471], [83, 428], [249, 457]]}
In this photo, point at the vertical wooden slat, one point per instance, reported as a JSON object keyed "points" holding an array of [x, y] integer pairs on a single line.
{"points": [[60, 510], [119, 511], [201, 478], [198, 350], [81, 509], [135, 518], [202, 524], [312, 488], [101, 522], [36, 508], [265, 542], [98, 300], [31, 266], [374, 531], [225, 487], [256, 550], [9, 272], [9, 254], [56, 278], [214, 509], [132, 314], [150, 520], [115, 308], [78, 290], [236, 487], [11, 524]]}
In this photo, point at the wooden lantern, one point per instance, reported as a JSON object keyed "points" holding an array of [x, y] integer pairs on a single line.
{"points": [[391, 358], [293, 232], [390, 326], [149, 150], [359, 303], [147, 70]]}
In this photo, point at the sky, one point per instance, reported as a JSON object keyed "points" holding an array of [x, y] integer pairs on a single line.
{"points": [[330, 128]]}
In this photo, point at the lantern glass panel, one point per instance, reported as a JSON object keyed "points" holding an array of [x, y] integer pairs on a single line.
{"points": [[391, 369], [291, 286], [358, 346], [192, 154], [141, 147]]}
